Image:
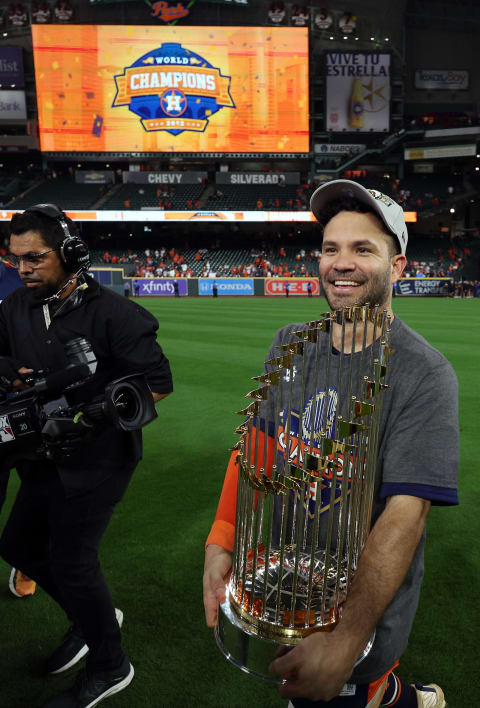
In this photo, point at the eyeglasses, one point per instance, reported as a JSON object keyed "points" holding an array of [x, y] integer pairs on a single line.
{"points": [[30, 260]]}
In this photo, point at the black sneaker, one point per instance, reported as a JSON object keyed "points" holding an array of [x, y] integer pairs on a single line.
{"points": [[89, 689], [72, 649]]}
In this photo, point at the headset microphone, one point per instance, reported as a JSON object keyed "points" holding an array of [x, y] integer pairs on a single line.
{"points": [[72, 251]]}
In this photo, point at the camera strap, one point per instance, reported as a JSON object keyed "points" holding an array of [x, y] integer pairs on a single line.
{"points": [[71, 298], [46, 315]]}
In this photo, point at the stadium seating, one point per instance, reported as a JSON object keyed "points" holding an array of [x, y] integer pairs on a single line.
{"points": [[64, 192], [148, 196]]}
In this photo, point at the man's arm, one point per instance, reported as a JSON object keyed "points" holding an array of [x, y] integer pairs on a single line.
{"points": [[319, 666], [132, 336]]}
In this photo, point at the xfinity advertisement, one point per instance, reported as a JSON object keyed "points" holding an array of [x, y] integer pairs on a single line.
{"points": [[152, 287]]}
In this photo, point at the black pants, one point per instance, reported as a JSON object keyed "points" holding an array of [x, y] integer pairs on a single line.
{"points": [[4, 474], [55, 540]]}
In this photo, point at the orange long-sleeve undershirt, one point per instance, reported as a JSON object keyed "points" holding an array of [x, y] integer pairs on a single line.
{"points": [[222, 532]]}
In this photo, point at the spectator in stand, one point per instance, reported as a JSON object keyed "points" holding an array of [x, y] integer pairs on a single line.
{"points": [[259, 204]]}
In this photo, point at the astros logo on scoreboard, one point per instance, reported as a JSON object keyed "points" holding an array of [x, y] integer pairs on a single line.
{"points": [[173, 89]]}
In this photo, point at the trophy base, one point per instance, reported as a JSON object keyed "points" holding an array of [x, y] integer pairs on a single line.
{"points": [[250, 653], [247, 652]]}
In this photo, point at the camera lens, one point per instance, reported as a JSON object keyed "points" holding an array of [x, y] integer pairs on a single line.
{"points": [[127, 403]]}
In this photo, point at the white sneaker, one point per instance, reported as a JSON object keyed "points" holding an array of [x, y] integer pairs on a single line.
{"points": [[429, 696]]}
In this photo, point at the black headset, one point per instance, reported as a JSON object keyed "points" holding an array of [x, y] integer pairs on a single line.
{"points": [[73, 251]]}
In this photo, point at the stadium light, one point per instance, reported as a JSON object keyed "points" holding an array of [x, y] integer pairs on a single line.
{"points": [[331, 37], [477, 169], [452, 211], [372, 39], [345, 37], [387, 39]]}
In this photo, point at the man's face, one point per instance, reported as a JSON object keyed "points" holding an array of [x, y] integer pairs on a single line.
{"points": [[356, 266], [46, 276]]}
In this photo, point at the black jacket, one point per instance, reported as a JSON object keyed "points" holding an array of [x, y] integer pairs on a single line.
{"points": [[123, 338]]}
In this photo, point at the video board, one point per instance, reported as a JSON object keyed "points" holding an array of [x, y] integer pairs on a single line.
{"points": [[172, 89], [358, 92]]}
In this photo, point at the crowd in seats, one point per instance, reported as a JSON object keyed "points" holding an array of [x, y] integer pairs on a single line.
{"points": [[203, 262], [427, 257], [435, 258], [416, 192], [260, 197]]}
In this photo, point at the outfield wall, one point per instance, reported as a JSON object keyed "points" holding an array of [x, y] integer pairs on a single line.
{"points": [[244, 287]]}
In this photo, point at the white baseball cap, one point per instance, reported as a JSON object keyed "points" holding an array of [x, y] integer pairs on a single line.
{"points": [[385, 207]]}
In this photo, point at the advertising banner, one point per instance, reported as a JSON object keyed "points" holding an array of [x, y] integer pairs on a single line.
{"points": [[11, 67], [12, 105], [94, 176], [436, 79], [430, 153], [152, 287], [226, 286], [148, 215], [358, 92], [164, 177], [425, 168], [297, 286], [169, 89], [338, 149], [257, 178], [422, 286]]}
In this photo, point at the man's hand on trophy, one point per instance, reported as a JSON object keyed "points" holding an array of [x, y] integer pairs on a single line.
{"points": [[317, 668], [218, 564]]}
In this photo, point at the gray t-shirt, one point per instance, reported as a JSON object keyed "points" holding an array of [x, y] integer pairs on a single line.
{"points": [[418, 453]]}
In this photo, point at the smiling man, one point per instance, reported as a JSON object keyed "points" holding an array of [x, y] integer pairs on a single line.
{"points": [[364, 239]]}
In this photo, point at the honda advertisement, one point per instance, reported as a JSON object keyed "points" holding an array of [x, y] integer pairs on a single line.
{"points": [[225, 286]]}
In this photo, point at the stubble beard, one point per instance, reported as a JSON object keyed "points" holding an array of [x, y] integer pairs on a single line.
{"points": [[375, 291]]}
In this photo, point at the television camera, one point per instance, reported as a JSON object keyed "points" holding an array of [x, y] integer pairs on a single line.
{"points": [[47, 420]]}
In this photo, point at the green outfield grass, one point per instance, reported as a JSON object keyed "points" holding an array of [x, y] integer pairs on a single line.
{"points": [[153, 551]]}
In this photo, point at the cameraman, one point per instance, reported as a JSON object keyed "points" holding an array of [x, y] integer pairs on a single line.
{"points": [[63, 506]]}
